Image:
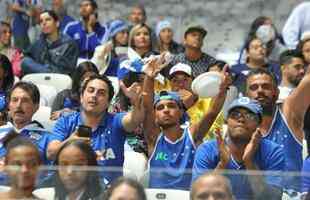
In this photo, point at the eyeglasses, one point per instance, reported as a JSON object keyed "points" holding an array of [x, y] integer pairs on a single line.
{"points": [[235, 114]]}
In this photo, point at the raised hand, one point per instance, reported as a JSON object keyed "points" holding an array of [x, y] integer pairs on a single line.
{"points": [[156, 64], [131, 92], [223, 150], [251, 147], [226, 79], [188, 97]]}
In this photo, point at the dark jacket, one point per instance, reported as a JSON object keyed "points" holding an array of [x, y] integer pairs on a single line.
{"points": [[57, 57]]}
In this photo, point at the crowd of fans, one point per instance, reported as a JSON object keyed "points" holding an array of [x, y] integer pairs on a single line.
{"points": [[258, 120]]}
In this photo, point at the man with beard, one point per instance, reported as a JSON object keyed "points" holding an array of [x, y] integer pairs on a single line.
{"points": [[88, 33], [282, 123], [243, 149], [293, 70], [171, 146]]}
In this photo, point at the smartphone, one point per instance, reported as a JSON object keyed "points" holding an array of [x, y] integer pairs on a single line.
{"points": [[84, 131]]}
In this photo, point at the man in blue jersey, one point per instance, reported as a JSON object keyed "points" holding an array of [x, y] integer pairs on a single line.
{"points": [[243, 149], [282, 123], [108, 131], [23, 102], [172, 147], [88, 32]]}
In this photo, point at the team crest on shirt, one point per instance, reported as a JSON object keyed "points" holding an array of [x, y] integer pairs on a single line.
{"points": [[76, 36], [161, 156], [35, 135]]}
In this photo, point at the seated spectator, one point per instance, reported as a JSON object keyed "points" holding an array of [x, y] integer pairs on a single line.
{"points": [[304, 48], [23, 155], [6, 48], [193, 55], [171, 146], [59, 7], [108, 131], [256, 58], [106, 56], [243, 149], [282, 123], [305, 186], [211, 186], [181, 78], [53, 52], [73, 179], [125, 189], [165, 42], [292, 71], [264, 29], [6, 76], [23, 102], [88, 32], [68, 100]]}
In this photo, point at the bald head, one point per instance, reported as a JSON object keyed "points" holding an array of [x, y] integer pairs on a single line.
{"points": [[211, 186]]}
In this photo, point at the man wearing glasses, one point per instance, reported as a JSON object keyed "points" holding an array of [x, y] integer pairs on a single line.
{"points": [[243, 149]]}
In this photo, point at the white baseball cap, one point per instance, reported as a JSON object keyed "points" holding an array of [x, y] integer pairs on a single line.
{"points": [[181, 67]]}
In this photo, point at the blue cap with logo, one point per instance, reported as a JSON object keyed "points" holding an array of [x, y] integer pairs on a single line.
{"points": [[247, 103], [168, 95]]}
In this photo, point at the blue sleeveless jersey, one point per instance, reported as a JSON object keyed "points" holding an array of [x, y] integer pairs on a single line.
{"points": [[171, 162], [281, 134]]}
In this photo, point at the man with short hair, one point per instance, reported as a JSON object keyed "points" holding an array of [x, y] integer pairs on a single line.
{"points": [[171, 145], [88, 32], [193, 55], [108, 131], [59, 7], [292, 70], [282, 123], [53, 52], [137, 15], [23, 102], [243, 149], [211, 186]]}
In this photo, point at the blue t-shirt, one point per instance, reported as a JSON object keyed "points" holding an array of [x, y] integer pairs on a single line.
{"points": [[241, 71], [281, 134], [306, 176], [268, 157], [87, 42], [171, 162], [108, 138]]}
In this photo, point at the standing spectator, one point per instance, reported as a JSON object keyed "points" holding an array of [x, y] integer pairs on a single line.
{"points": [[68, 100], [193, 55], [88, 32], [212, 186], [292, 70], [243, 149], [297, 23], [171, 146], [24, 13], [53, 52], [282, 123], [106, 56], [23, 162], [108, 131], [6, 48], [165, 42], [256, 57], [59, 7]]}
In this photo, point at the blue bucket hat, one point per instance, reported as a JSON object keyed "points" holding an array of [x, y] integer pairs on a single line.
{"points": [[247, 103], [117, 26]]}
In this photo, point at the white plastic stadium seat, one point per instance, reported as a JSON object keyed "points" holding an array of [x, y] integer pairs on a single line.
{"points": [[45, 193], [135, 165], [59, 81], [47, 94], [166, 194], [43, 116]]}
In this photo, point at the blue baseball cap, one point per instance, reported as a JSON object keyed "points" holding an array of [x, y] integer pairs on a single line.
{"points": [[247, 103], [117, 26], [168, 95]]}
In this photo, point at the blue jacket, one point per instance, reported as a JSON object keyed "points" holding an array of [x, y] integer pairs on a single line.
{"points": [[87, 42]]}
